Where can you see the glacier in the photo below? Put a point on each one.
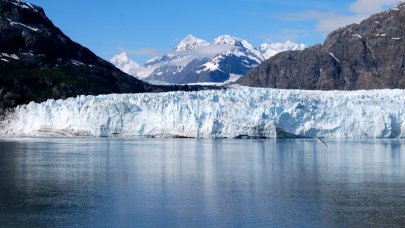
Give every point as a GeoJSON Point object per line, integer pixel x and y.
{"type": "Point", "coordinates": [236, 112]}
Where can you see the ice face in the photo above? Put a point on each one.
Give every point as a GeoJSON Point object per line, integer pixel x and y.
{"type": "Point", "coordinates": [230, 113]}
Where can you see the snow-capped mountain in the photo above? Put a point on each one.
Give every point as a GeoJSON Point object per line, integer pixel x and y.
{"type": "Point", "coordinates": [124, 63]}
{"type": "Point", "coordinates": [270, 50]}
{"type": "Point", "coordinates": [194, 60]}
{"type": "Point", "coordinates": [190, 43]}
{"type": "Point", "coordinates": [230, 113]}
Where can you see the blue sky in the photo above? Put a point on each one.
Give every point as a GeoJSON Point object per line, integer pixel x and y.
{"type": "Point", "coordinates": [147, 28]}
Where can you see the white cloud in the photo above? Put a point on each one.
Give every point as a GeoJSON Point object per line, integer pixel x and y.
{"type": "Point", "coordinates": [334, 21]}
{"type": "Point", "coordinates": [367, 7]}
{"type": "Point", "coordinates": [357, 11]}
{"type": "Point", "coordinates": [207, 51]}
{"type": "Point", "coordinates": [213, 50]}
{"type": "Point", "coordinates": [141, 51]}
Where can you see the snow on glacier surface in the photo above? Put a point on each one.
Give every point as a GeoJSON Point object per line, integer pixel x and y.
{"type": "Point", "coordinates": [227, 113]}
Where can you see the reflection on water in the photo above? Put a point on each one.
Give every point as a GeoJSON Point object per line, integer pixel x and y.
{"type": "Point", "coordinates": [184, 182]}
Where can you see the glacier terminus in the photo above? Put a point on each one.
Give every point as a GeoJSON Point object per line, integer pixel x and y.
{"type": "Point", "coordinates": [235, 112]}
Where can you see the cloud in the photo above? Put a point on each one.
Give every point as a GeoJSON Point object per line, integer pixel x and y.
{"type": "Point", "coordinates": [141, 51]}
{"type": "Point", "coordinates": [213, 50]}
{"type": "Point", "coordinates": [207, 51]}
{"type": "Point", "coordinates": [357, 11]}
{"type": "Point", "coordinates": [371, 6]}
{"type": "Point", "coordinates": [334, 21]}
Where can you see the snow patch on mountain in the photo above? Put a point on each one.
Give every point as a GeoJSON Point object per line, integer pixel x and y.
{"type": "Point", "coordinates": [212, 65]}
{"type": "Point", "coordinates": [24, 5]}
{"type": "Point", "coordinates": [13, 23]}
{"type": "Point", "coordinates": [230, 40]}
{"type": "Point", "coordinates": [239, 45]}
{"type": "Point", "coordinates": [270, 50]}
{"type": "Point", "coordinates": [230, 113]}
{"type": "Point", "coordinates": [11, 56]}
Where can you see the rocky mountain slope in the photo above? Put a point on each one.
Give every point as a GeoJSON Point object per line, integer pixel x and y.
{"type": "Point", "coordinates": [369, 55]}
{"type": "Point", "coordinates": [38, 61]}
{"type": "Point", "coordinates": [195, 60]}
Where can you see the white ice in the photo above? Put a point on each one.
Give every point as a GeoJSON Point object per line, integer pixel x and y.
{"type": "Point", "coordinates": [230, 113]}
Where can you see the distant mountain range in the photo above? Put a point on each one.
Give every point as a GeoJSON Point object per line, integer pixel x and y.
{"type": "Point", "coordinates": [369, 55]}
{"type": "Point", "coordinates": [194, 60]}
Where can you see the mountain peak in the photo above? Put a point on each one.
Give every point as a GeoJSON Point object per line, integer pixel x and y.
{"type": "Point", "coordinates": [190, 37]}
{"type": "Point", "coordinates": [120, 57]}
{"type": "Point", "coordinates": [22, 4]}
{"type": "Point", "coordinates": [234, 41]}
{"type": "Point", "coordinates": [269, 50]}
{"type": "Point", "coordinates": [190, 42]}
{"type": "Point", "coordinates": [195, 60]}
{"type": "Point", "coordinates": [226, 39]}
{"type": "Point", "coordinates": [123, 62]}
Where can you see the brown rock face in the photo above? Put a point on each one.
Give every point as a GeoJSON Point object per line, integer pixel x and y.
{"type": "Point", "coordinates": [369, 55]}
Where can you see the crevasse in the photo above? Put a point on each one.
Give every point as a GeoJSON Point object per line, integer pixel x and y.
{"type": "Point", "coordinates": [231, 113]}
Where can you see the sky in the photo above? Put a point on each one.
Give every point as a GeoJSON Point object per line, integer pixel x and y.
{"type": "Point", "coordinates": [149, 28]}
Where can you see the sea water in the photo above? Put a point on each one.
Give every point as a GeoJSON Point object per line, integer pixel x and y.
{"type": "Point", "coordinates": [90, 182]}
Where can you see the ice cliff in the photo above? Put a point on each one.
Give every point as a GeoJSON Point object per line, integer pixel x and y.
{"type": "Point", "coordinates": [231, 113]}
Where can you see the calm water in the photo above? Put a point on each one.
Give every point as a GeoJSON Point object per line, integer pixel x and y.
{"type": "Point", "coordinates": [201, 183]}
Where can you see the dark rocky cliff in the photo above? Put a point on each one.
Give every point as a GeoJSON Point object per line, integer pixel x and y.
{"type": "Point", "coordinates": [369, 55]}
{"type": "Point", "coordinates": [38, 61]}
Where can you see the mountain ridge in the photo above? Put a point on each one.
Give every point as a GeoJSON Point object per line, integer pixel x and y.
{"type": "Point", "coordinates": [195, 60]}
{"type": "Point", "coordinates": [38, 61]}
{"type": "Point", "coordinates": [368, 55]}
